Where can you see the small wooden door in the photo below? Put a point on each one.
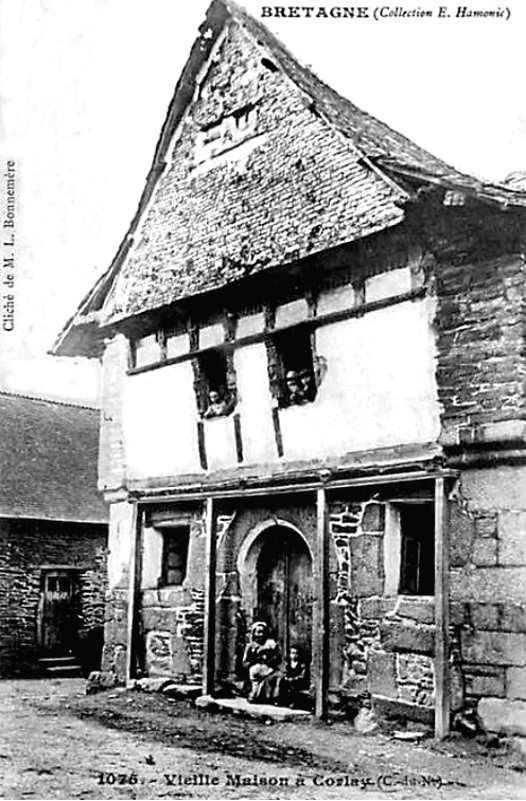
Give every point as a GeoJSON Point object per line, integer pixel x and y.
{"type": "Point", "coordinates": [284, 576]}
{"type": "Point", "coordinates": [58, 619]}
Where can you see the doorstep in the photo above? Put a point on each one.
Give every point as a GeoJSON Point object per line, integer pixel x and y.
{"type": "Point", "coordinates": [240, 706]}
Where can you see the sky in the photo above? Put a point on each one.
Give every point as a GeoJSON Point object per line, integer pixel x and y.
{"type": "Point", "coordinates": [84, 90]}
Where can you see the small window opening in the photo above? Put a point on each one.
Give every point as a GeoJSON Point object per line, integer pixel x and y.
{"type": "Point", "coordinates": [417, 563]}
{"type": "Point", "coordinates": [175, 556]}
{"type": "Point", "coordinates": [226, 133]}
{"type": "Point", "coordinates": [216, 397]}
{"type": "Point", "coordinates": [297, 381]}
{"type": "Point", "coordinates": [269, 64]}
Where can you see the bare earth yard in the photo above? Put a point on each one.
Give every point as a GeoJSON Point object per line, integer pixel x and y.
{"type": "Point", "coordinates": [57, 743]}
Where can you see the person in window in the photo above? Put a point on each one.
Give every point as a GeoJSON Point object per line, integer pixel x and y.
{"type": "Point", "coordinates": [306, 385]}
{"type": "Point", "coordinates": [300, 387]}
{"type": "Point", "coordinates": [294, 392]}
{"type": "Point", "coordinates": [262, 660]}
{"type": "Point", "coordinates": [295, 680]}
{"type": "Point", "coordinates": [217, 405]}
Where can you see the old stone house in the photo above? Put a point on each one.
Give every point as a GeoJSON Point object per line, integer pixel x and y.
{"type": "Point", "coordinates": [314, 405]}
{"type": "Point", "coordinates": [53, 535]}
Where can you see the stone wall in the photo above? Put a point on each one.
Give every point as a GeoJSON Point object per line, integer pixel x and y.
{"type": "Point", "coordinates": [240, 535]}
{"type": "Point", "coordinates": [488, 591]}
{"type": "Point", "coordinates": [120, 539]}
{"type": "Point", "coordinates": [26, 546]}
{"type": "Point", "coordinates": [381, 645]}
{"type": "Point", "coordinates": [481, 291]}
{"type": "Point", "coordinates": [172, 618]}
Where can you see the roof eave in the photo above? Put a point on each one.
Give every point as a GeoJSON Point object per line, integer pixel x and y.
{"type": "Point", "coordinates": [81, 336]}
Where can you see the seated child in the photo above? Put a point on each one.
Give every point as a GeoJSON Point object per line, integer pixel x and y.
{"type": "Point", "coordinates": [295, 680]}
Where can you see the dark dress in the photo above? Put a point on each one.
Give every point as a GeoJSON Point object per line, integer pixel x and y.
{"type": "Point", "coordinates": [295, 680]}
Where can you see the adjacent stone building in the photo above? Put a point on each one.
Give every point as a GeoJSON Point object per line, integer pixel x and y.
{"type": "Point", "coordinates": [53, 535]}
{"type": "Point", "coordinates": [314, 411]}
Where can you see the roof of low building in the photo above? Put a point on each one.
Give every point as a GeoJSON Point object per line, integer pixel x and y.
{"type": "Point", "coordinates": [48, 460]}
{"type": "Point", "coordinates": [151, 269]}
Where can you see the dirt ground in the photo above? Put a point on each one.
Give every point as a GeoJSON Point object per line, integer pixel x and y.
{"type": "Point", "coordinates": [57, 743]}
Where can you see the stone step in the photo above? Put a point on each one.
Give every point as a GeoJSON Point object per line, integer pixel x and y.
{"type": "Point", "coordinates": [65, 666]}
{"type": "Point", "coordinates": [57, 660]}
{"type": "Point", "coordinates": [243, 708]}
{"type": "Point", "coordinates": [71, 672]}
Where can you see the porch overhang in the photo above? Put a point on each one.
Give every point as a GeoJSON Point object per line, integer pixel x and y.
{"type": "Point", "coordinates": [383, 469]}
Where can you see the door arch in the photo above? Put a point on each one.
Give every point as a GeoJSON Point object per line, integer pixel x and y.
{"type": "Point", "coordinates": [277, 584]}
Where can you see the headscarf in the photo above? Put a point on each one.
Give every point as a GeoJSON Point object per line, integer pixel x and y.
{"type": "Point", "coordinates": [259, 624]}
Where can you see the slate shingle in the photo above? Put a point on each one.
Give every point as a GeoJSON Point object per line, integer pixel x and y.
{"type": "Point", "coordinates": [48, 460]}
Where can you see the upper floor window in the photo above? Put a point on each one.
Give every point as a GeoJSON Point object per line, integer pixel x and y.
{"type": "Point", "coordinates": [293, 379]}
{"type": "Point", "coordinates": [417, 555]}
{"type": "Point", "coordinates": [214, 385]}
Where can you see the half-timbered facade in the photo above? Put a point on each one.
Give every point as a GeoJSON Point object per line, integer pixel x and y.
{"type": "Point", "coordinates": [314, 410]}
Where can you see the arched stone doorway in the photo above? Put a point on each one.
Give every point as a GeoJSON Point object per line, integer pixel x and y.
{"type": "Point", "coordinates": [276, 583]}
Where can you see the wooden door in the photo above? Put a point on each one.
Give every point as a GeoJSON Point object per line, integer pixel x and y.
{"type": "Point", "coordinates": [58, 619]}
{"type": "Point", "coordinates": [284, 576]}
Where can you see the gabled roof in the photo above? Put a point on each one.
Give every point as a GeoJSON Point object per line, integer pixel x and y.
{"type": "Point", "coordinates": [48, 460]}
{"type": "Point", "coordinates": [404, 167]}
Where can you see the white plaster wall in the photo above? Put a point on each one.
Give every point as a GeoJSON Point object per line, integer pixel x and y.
{"type": "Point", "coordinates": [337, 299]}
{"type": "Point", "coordinates": [250, 324]}
{"type": "Point", "coordinates": [159, 421]}
{"type": "Point", "coordinates": [220, 442]}
{"type": "Point", "coordinates": [387, 285]}
{"type": "Point", "coordinates": [255, 404]}
{"type": "Point", "coordinates": [211, 336]}
{"type": "Point", "coordinates": [379, 389]}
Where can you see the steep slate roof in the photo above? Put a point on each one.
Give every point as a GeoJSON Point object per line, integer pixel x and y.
{"type": "Point", "coordinates": [48, 460]}
{"type": "Point", "coordinates": [404, 167]}
{"type": "Point", "coordinates": [388, 149]}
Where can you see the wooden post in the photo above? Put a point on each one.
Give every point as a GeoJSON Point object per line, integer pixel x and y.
{"type": "Point", "coordinates": [210, 601]}
{"type": "Point", "coordinates": [321, 617]}
{"type": "Point", "coordinates": [442, 694]}
{"type": "Point", "coordinates": [133, 592]}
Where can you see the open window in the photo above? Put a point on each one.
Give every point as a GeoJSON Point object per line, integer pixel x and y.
{"type": "Point", "coordinates": [417, 549]}
{"type": "Point", "coordinates": [293, 377]}
{"type": "Point", "coordinates": [215, 384]}
{"type": "Point", "coordinates": [174, 556]}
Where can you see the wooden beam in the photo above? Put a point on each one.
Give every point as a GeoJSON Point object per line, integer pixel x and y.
{"type": "Point", "coordinates": [133, 592]}
{"type": "Point", "coordinates": [243, 491]}
{"type": "Point", "coordinates": [201, 444]}
{"type": "Point", "coordinates": [210, 602]}
{"type": "Point", "coordinates": [238, 436]}
{"type": "Point", "coordinates": [442, 690]}
{"type": "Point", "coordinates": [321, 610]}
{"type": "Point", "coordinates": [312, 323]}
